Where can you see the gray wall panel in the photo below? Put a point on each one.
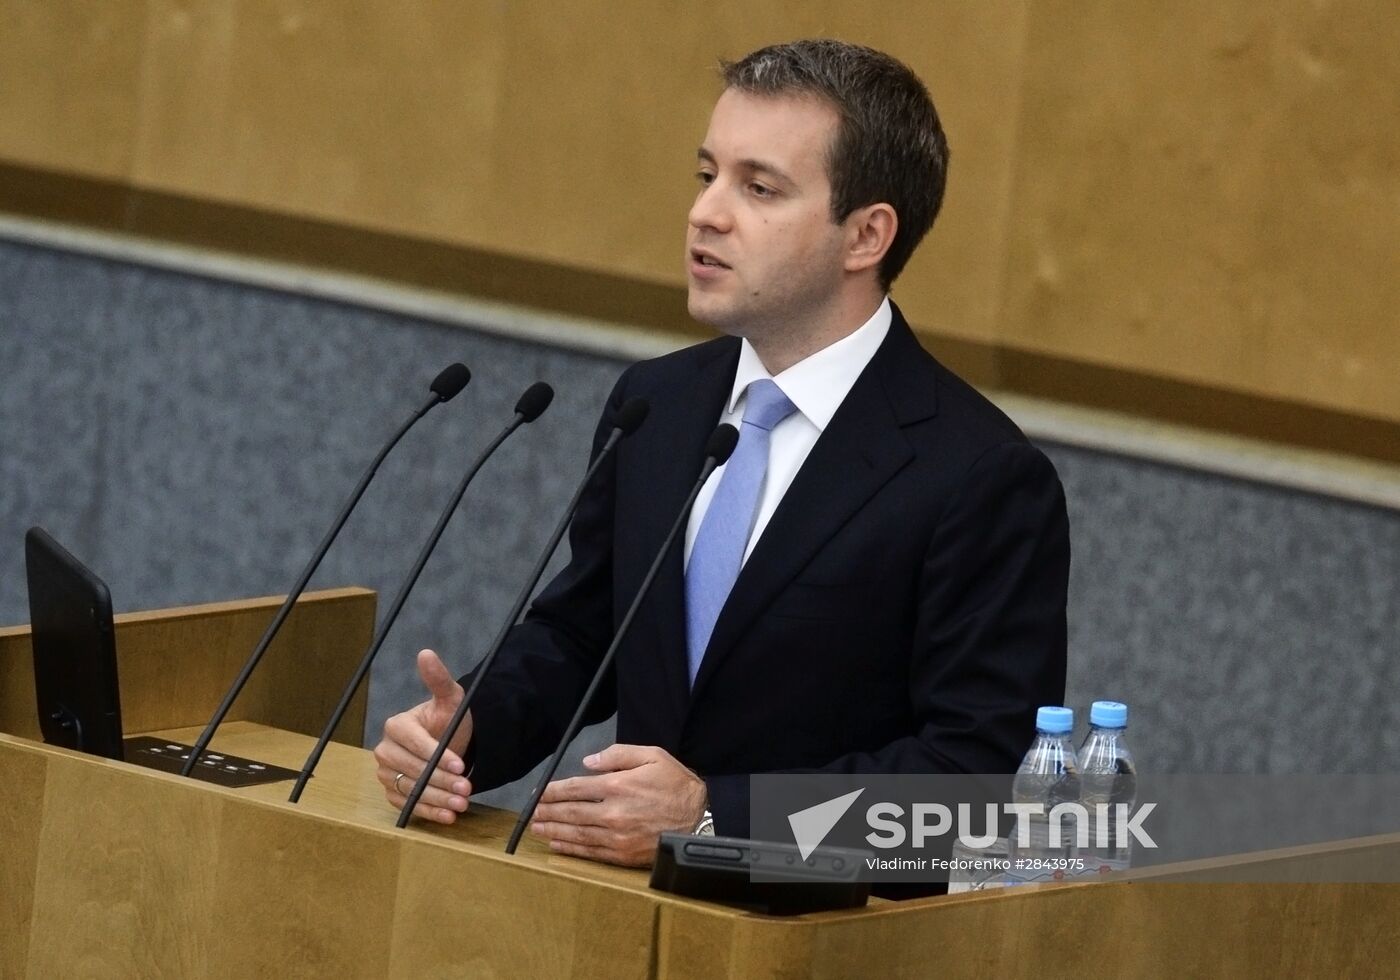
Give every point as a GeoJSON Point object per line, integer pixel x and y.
{"type": "Point", "coordinates": [190, 439]}
{"type": "Point", "coordinates": [1251, 628]}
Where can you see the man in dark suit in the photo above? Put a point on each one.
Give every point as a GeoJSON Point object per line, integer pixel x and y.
{"type": "Point", "coordinates": [874, 582]}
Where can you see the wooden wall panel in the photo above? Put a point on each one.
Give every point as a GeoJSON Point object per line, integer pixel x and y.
{"type": "Point", "coordinates": [598, 140]}
{"type": "Point", "coordinates": [562, 133]}
{"type": "Point", "coordinates": [384, 119]}
{"type": "Point", "coordinates": [69, 80]}
{"type": "Point", "coordinates": [1205, 192]}
{"type": "Point", "coordinates": [1195, 192]}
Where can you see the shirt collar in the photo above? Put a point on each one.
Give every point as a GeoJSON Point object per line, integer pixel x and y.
{"type": "Point", "coordinates": [818, 383]}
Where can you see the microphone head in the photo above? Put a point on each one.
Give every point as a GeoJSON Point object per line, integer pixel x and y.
{"type": "Point", "coordinates": [631, 415]}
{"type": "Point", "coordinates": [722, 443]}
{"type": "Point", "coordinates": [535, 400]}
{"type": "Point", "coordinates": [450, 381]}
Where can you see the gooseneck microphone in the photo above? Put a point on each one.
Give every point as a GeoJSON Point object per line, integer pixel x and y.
{"type": "Point", "coordinates": [628, 418]}
{"type": "Point", "coordinates": [530, 407]}
{"type": "Point", "coordinates": [717, 450]}
{"type": "Point", "coordinates": [451, 380]}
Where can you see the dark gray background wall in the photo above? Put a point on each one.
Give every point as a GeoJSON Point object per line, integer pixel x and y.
{"type": "Point", "coordinates": [190, 439]}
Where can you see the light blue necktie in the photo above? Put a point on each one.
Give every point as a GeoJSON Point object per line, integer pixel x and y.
{"type": "Point", "coordinates": [719, 546]}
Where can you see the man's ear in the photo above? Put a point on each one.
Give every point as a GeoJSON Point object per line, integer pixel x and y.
{"type": "Point", "coordinates": [871, 231]}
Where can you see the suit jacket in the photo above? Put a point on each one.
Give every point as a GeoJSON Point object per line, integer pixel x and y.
{"type": "Point", "coordinates": [903, 611]}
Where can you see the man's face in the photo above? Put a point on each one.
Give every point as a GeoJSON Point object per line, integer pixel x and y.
{"type": "Point", "coordinates": [762, 253]}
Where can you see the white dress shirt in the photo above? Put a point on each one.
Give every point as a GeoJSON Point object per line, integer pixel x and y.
{"type": "Point", "coordinates": [817, 385]}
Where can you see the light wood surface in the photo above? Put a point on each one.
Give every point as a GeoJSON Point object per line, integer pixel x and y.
{"type": "Point", "coordinates": [108, 869]}
{"type": "Point", "coordinates": [1196, 193]}
{"type": "Point", "coordinates": [174, 665]}
{"type": "Point", "coordinates": [563, 133]}
{"type": "Point", "coordinates": [1209, 198]}
{"type": "Point", "coordinates": [163, 876]}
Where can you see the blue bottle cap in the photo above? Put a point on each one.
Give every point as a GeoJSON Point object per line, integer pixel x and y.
{"type": "Point", "coordinates": [1109, 714]}
{"type": "Point", "coordinates": [1054, 720]}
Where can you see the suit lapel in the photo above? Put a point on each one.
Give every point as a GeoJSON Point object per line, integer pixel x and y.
{"type": "Point", "coordinates": [693, 416]}
{"type": "Point", "coordinates": [857, 453]}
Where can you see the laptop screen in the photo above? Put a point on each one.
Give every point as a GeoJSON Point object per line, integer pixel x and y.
{"type": "Point", "coordinates": [75, 660]}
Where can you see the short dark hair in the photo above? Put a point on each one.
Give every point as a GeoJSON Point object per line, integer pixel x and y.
{"type": "Point", "coordinates": [889, 146]}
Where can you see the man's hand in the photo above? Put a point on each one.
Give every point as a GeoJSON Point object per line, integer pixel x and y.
{"type": "Point", "coordinates": [411, 737]}
{"type": "Point", "coordinates": [617, 815]}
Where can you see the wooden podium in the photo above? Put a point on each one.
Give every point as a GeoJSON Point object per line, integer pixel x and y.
{"type": "Point", "coordinates": [111, 870]}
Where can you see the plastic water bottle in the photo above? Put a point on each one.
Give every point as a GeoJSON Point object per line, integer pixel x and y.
{"type": "Point", "coordinates": [1049, 775]}
{"type": "Point", "coordinates": [1109, 778]}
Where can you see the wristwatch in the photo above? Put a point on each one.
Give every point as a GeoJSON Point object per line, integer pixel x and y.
{"type": "Point", "coordinates": [706, 826]}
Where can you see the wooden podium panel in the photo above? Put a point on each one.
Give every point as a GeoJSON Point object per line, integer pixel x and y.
{"type": "Point", "coordinates": [108, 869]}
{"type": "Point", "coordinates": [116, 871]}
{"type": "Point", "coordinates": [175, 664]}
{"type": "Point", "coordinates": [112, 870]}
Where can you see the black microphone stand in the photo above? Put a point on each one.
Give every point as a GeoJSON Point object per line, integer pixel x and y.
{"type": "Point", "coordinates": [629, 417]}
{"type": "Point", "coordinates": [535, 400]}
{"type": "Point", "coordinates": [717, 451]}
{"type": "Point", "coordinates": [445, 386]}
